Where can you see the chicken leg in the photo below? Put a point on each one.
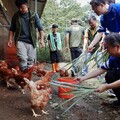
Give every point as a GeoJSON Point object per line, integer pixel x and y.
{"type": "Point", "coordinates": [34, 114]}
{"type": "Point", "coordinates": [43, 112]}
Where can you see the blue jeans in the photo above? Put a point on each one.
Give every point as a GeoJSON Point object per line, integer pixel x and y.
{"type": "Point", "coordinates": [98, 59]}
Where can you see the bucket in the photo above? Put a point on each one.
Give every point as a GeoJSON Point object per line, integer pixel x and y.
{"type": "Point", "coordinates": [62, 90]}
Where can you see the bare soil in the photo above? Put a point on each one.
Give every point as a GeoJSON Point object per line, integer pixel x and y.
{"type": "Point", "coordinates": [16, 106]}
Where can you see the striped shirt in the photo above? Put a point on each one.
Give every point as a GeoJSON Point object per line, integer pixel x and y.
{"type": "Point", "coordinates": [113, 64]}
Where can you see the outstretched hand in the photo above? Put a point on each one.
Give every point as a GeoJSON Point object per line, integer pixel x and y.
{"type": "Point", "coordinates": [78, 80]}
{"type": "Point", "coordinates": [102, 88]}
{"type": "Point", "coordinates": [90, 49]}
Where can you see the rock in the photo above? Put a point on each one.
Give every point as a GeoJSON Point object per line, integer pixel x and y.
{"type": "Point", "coordinates": [100, 112]}
{"type": "Point", "coordinates": [54, 105]}
{"type": "Point", "coordinates": [115, 112]}
{"type": "Point", "coordinates": [57, 117]}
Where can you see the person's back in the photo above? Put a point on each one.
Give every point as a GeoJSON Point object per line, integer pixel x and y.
{"type": "Point", "coordinates": [75, 35]}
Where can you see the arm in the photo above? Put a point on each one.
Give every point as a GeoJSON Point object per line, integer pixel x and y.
{"type": "Point", "coordinates": [42, 38]}
{"type": "Point", "coordinates": [40, 29]}
{"type": "Point", "coordinates": [85, 43]}
{"type": "Point", "coordinates": [11, 31]}
{"type": "Point", "coordinates": [10, 38]}
{"type": "Point", "coordinates": [105, 87]}
{"type": "Point", "coordinates": [50, 45]}
{"type": "Point", "coordinates": [67, 41]}
{"type": "Point", "coordinates": [102, 43]}
{"type": "Point", "coordinates": [90, 75]}
{"type": "Point", "coordinates": [95, 41]}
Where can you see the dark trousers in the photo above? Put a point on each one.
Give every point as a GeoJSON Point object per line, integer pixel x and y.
{"type": "Point", "coordinates": [112, 77]}
{"type": "Point", "coordinates": [75, 52]}
{"type": "Point", "coordinates": [55, 56]}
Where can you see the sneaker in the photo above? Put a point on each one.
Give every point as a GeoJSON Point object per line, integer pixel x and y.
{"type": "Point", "coordinates": [99, 77]}
{"type": "Point", "coordinates": [116, 103]}
{"type": "Point", "coordinates": [111, 93]}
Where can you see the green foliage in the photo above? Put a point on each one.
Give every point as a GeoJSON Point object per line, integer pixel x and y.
{"type": "Point", "coordinates": [59, 13]}
{"type": "Point", "coordinates": [43, 54]}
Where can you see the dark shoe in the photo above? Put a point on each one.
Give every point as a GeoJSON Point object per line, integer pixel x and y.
{"type": "Point", "coordinates": [73, 74]}
{"type": "Point", "coordinates": [116, 103]}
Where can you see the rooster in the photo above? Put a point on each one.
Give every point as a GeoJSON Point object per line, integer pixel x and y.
{"type": "Point", "coordinates": [39, 98]}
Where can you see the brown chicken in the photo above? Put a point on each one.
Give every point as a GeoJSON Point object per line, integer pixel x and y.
{"type": "Point", "coordinates": [40, 72]}
{"type": "Point", "coordinates": [63, 73]}
{"type": "Point", "coordinates": [39, 98]}
{"type": "Point", "coordinates": [6, 74]}
{"type": "Point", "coordinates": [3, 64]}
{"type": "Point", "coordinates": [45, 80]}
{"type": "Point", "coordinates": [19, 77]}
{"type": "Point", "coordinates": [40, 65]}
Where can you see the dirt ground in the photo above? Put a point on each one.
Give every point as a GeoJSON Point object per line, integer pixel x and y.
{"type": "Point", "coordinates": [16, 106]}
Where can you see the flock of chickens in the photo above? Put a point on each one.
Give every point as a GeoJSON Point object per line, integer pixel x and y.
{"type": "Point", "coordinates": [40, 90]}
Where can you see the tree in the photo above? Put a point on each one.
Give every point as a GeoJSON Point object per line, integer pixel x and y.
{"type": "Point", "coordinates": [60, 12]}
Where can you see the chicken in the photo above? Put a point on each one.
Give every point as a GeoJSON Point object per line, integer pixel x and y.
{"type": "Point", "coordinates": [6, 74]}
{"type": "Point", "coordinates": [40, 65]}
{"type": "Point", "coordinates": [19, 77]}
{"type": "Point", "coordinates": [41, 73]}
{"type": "Point", "coordinates": [39, 98]}
{"type": "Point", "coordinates": [3, 64]}
{"type": "Point", "coordinates": [45, 80]}
{"type": "Point", "coordinates": [63, 73]}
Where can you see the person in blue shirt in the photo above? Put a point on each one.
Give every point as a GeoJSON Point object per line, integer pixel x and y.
{"type": "Point", "coordinates": [23, 30]}
{"type": "Point", "coordinates": [109, 20]}
{"type": "Point", "coordinates": [112, 66]}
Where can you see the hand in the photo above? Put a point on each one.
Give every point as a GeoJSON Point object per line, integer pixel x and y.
{"type": "Point", "coordinates": [101, 43]}
{"type": "Point", "coordinates": [60, 50]}
{"type": "Point", "coordinates": [51, 50]}
{"type": "Point", "coordinates": [90, 49]}
{"type": "Point", "coordinates": [83, 51]}
{"type": "Point", "coordinates": [78, 80]}
{"type": "Point", "coordinates": [66, 49]}
{"type": "Point", "coordinates": [102, 88]}
{"type": "Point", "coordinates": [42, 44]}
{"type": "Point", "coordinates": [10, 42]}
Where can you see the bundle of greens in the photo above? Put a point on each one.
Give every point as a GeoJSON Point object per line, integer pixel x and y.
{"type": "Point", "coordinates": [79, 91]}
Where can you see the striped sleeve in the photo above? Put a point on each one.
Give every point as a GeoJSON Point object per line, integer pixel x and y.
{"type": "Point", "coordinates": [106, 65]}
